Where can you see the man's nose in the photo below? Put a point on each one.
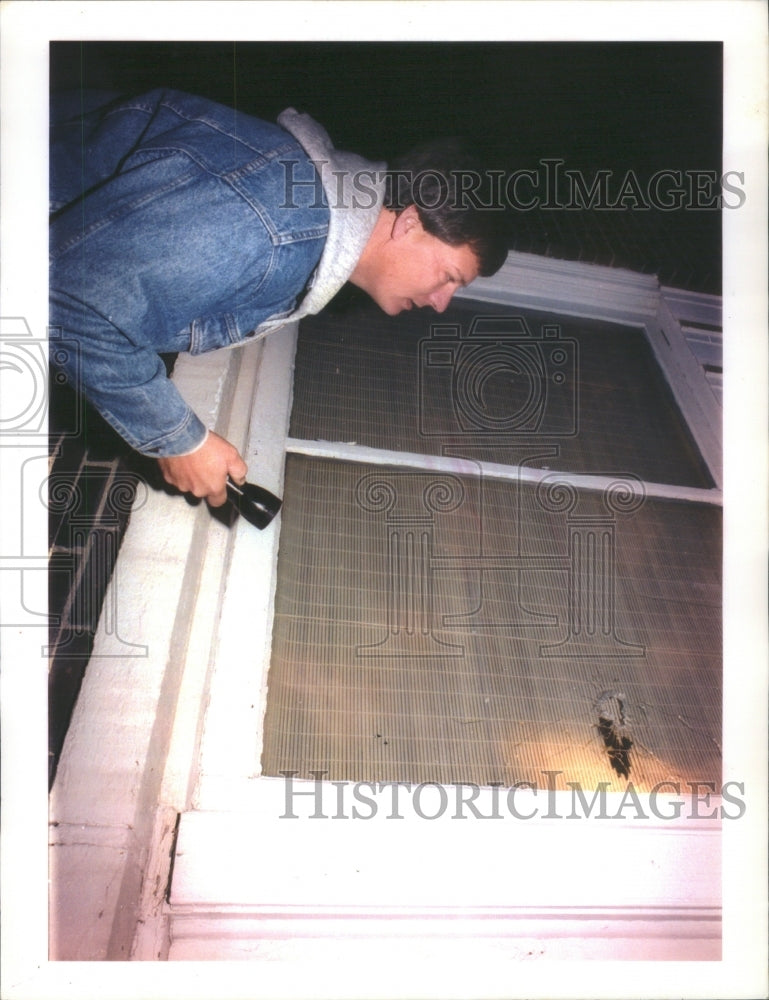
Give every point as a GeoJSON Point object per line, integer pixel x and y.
{"type": "Point", "coordinates": [440, 299]}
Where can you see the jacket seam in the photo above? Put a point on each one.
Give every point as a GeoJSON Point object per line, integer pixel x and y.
{"type": "Point", "coordinates": [151, 109]}
{"type": "Point", "coordinates": [170, 152]}
{"type": "Point", "coordinates": [151, 447]}
{"type": "Point", "coordinates": [110, 217]}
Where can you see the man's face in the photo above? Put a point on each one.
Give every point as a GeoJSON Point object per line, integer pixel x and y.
{"type": "Point", "coordinates": [417, 269]}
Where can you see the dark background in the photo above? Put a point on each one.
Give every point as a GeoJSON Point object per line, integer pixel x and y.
{"type": "Point", "coordinates": [616, 106]}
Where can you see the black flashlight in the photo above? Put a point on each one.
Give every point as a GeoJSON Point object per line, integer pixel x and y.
{"type": "Point", "coordinates": [255, 503]}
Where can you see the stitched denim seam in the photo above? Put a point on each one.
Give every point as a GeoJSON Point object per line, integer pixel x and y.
{"type": "Point", "coordinates": [148, 446]}
{"type": "Point", "coordinates": [110, 217]}
{"type": "Point", "coordinates": [151, 109]}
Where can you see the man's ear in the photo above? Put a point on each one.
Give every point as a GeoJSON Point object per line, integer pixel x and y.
{"type": "Point", "coordinates": [405, 222]}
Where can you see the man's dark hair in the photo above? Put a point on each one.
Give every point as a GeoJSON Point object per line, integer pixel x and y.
{"type": "Point", "coordinates": [454, 197]}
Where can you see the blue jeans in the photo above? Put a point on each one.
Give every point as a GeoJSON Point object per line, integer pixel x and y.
{"type": "Point", "coordinates": [171, 230]}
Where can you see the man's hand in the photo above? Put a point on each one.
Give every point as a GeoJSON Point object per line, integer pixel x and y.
{"type": "Point", "coordinates": [204, 472]}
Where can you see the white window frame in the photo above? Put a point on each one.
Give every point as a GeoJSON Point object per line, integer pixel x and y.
{"type": "Point", "coordinates": [178, 773]}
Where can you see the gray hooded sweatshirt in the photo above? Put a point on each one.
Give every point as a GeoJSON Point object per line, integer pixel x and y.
{"type": "Point", "coordinates": [354, 189]}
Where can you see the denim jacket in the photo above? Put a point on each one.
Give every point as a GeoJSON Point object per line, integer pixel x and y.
{"type": "Point", "coordinates": [181, 225]}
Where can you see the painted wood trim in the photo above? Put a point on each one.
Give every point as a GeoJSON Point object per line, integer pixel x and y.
{"type": "Point", "coordinates": [690, 387]}
{"type": "Point", "coordinates": [694, 307]}
{"type": "Point", "coordinates": [401, 865]}
{"type": "Point", "coordinates": [571, 287]}
{"type": "Point", "coordinates": [329, 941]}
{"type": "Point", "coordinates": [384, 879]}
{"type": "Point", "coordinates": [232, 738]}
{"type": "Point", "coordinates": [144, 713]}
{"type": "Point", "coordinates": [343, 452]}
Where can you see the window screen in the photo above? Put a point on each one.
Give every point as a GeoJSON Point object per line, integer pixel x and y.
{"type": "Point", "coordinates": [496, 385]}
{"type": "Point", "coordinates": [432, 626]}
